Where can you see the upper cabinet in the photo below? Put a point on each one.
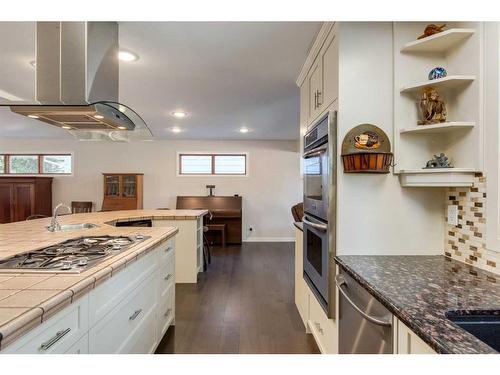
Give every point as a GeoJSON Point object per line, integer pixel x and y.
{"type": "Point", "coordinates": [318, 80]}
{"type": "Point", "coordinates": [459, 50]}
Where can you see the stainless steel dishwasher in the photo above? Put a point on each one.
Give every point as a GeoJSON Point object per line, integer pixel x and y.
{"type": "Point", "coordinates": [365, 325]}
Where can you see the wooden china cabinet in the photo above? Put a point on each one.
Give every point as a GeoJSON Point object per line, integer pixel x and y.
{"type": "Point", "coordinates": [21, 197]}
{"type": "Point", "coordinates": [122, 191]}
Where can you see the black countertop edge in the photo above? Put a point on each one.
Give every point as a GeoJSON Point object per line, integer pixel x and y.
{"type": "Point", "coordinates": [400, 314]}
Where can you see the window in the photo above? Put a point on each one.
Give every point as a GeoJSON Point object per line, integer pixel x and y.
{"type": "Point", "coordinates": [213, 164]}
{"type": "Point", "coordinates": [36, 164]}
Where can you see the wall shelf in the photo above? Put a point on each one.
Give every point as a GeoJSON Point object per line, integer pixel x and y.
{"type": "Point", "coordinates": [444, 127]}
{"type": "Point", "coordinates": [441, 83]}
{"type": "Point", "coordinates": [438, 177]}
{"type": "Point", "coordinates": [440, 42]}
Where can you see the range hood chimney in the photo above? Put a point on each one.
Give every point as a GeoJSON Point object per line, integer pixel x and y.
{"type": "Point", "coordinates": [77, 82]}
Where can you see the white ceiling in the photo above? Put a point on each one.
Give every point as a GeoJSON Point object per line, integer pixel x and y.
{"type": "Point", "coordinates": [225, 75]}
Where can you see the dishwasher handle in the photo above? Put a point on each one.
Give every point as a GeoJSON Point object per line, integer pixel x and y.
{"type": "Point", "coordinates": [339, 281]}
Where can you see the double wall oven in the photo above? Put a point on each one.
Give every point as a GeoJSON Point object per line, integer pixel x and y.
{"type": "Point", "coordinates": [320, 209]}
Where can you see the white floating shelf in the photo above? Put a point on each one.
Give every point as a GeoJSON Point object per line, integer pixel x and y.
{"type": "Point", "coordinates": [442, 83]}
{"type": "Point", "coordinates": [440, 42]}
{"type": "Point", "coordinates": [438, 177]}
{"type": "Point", "coordinates": [444, 127]}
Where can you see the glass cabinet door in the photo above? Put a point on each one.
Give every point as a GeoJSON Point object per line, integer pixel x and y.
{"type": "Point", "coordinates": [129, 186]}
{"type": "Point", "coordinates": [112, 186]}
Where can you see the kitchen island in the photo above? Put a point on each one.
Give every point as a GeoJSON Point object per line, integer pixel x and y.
{"type": "Point", "coordinates": [53, 311]}
{"type": "Point", "coordinates": [422, 290]}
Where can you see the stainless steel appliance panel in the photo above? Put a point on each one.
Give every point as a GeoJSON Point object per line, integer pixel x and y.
{"type": "Point", "coordinates": [365, 325]}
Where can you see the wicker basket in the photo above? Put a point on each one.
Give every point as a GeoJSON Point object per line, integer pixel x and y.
{"type": "Point", "coordinates": [367, 162]}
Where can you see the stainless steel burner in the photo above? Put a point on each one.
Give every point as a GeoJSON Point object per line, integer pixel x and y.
{"type": "Point", "coordinates": [74, 255]}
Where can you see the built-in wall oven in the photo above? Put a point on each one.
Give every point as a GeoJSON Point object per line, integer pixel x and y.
{"type": "Point", "coordinates": [319, 209]}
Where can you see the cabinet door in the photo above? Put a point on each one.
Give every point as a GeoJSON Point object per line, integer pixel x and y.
{"type": "Point", "coordinates": [112, 186]}
{"type": "Point", "coordinates": [6, 203]}
{"type": "Point", "coordinates": [24, 198]}
{"type": "Point", "coordinates": [315, 88]}
{"type": "Point", "coordinates": [410, 343]}
{"type": "Point", "coordinates": [301, 290]}
{"type": "Point", "coordinates": [330, 71]}
{"type": "Point", "coordinates": [129, 186]}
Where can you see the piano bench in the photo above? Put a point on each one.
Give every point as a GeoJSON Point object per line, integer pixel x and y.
{"type": "Point", "coordinates": [219, 228]}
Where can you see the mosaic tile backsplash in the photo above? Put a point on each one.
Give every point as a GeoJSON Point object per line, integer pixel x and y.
{"type": "Point", "coordinates": [466, 241]}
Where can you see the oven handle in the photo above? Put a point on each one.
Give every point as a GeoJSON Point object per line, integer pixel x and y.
{"type": "Point", "coordinates": [339, 281]}
{"type": "Point", "coordinates": [315, 151]}
{"type": "Point", "coordinates": [321, 227]}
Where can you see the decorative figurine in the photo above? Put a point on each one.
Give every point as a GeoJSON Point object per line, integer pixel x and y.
{"type": "Point", "coordinates": [439, 161]}
{"type": "Point", "coordinates": [432, 107]}
{"type": "Point", "coordinates": [431, 29]}
{"type": "Point", "coordinates": [438, 72]}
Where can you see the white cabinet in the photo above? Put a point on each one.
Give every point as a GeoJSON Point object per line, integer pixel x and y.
{"type": "Point", "coordinates": [129, 313]}
{"type": "Point", "coordinates": [301, 289]}
{"type": "Point", "coordinates": [320, 88]}
{"type": "Point", "coordinates": [56, 335]}
{"type": "Point", "coordinates": [409, 343]}
{"type": "Point", "coordinates": [321, 327]}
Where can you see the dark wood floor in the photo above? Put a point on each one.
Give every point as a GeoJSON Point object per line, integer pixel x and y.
{"type": "Point", "coordinates": [244, 303]}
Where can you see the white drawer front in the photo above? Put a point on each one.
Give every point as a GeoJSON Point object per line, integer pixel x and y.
{"type": "Point", "coordinates": [80, 347]}
{"type": "Point", "coordinates": [107, 295]}
{"type": "Point", "coordinates": [113, 334]}
{"type": "Point", "coordinates": [166, 311]}
{"type": "Point", "coordinates": [56, 335]}
{"type": "Point", "coordinates": [167, 278]}
{"type": "Point", "coordinates": [321, 327]}
{"type": "Point", "coordinates": [167, 251]}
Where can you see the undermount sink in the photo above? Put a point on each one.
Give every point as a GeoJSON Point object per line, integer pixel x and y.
{"type": "Point", "coordinates": [486, 327]}
{"type": "Point", "coordinates": [67, 227]}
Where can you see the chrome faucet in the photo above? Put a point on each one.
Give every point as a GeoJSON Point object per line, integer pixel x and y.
{"type": "Point", "coordinates": [54, 224]}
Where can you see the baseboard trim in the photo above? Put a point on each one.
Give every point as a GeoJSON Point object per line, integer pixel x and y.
{"type": "Point", "coordinates": [269, 239]}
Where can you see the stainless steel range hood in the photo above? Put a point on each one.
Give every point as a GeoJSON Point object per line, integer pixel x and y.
{"type": "Point", "coordinates": [77, 82]}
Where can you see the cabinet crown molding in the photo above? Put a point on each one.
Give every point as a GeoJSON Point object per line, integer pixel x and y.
{"type": "Point", "coordinates": [313, 52]}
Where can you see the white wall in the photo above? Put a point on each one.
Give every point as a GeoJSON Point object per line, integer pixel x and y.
{"type": "Point", "coordinates": [375, 214]}
{"type": "Point", "coordinates": [272, 187]}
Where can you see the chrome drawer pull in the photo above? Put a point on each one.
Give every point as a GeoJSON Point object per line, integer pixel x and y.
{"type": "Point", "coordinates": [135, 314]}
{"type": "Point", "coordinates": [168, 249]}
{"type": "Point", "coordinates": [167, 313]}
{"type": "Point", "coordinates": [318, 327]}
{"type": "Point", "coordinates": [59, 335]}
{"type": "Point", "coordinates": [167, 277]}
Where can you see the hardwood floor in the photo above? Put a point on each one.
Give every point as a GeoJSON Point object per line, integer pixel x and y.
{"type": "Point", "coordinates": [244, 303]}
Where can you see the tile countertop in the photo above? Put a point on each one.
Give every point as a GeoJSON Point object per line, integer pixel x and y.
{"type": "Point", "coordinates": [27, 299]}
{"type": "Point", "coordinates": [419, 290]}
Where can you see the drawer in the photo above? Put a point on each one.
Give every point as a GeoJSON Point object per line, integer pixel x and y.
{"type": "Point", "coordinates": [56, 335]}
{"type": "Point", "coordinates": [80, 347]}
{"type": "Point", "coordinates": [166, 311]}
{"type": "Point", "coordinates": [322, 328]}
{"type": "Point", "coordinates": [126, 322]}
{"type": "Point", "coordinates": [107, 295]}
{"type": "Point", "coordinates": [167, 251]}
{"type": "Point", "coordinates": [166, 275]}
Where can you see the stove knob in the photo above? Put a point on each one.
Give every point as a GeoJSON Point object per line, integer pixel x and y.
{"type": "Point", "coordinates": [66, 265]}
{"type": "Point", "coordinates": [83, 262]}
{"type": "Point", "coordinates": [116, 246]}
{"type": "Point", "coordinates": [139, 236]}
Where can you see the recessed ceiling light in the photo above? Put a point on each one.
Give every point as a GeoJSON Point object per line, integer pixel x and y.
{"type": "Point", "coordinates": [176, 129]}
{"type": "Point", "coordinates": [179, 114]}
{"type": "Point", "coordinates": [243, 130]}
{"type": "Point", "coordinates": [66, 127]}
{"type": "Point", "coordinates": [127, 56]}
{"type": "Point", "coordinates": [122, 127]}
{"type": "Point", "coordinates": [98, 116]}
{"type": "Point", "coordinates": [33, 116]}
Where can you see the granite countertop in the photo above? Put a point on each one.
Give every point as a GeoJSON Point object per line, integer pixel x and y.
{"type": "Point", "coordinates": [29, 298]}
{"type": "Point", "coordinates": [419, 290]}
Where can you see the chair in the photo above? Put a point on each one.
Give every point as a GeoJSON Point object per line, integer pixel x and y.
{"type": "Point", "coordinates": [33, 217]}
{"type": "Point", "coordinates": [81, 207]}
{"type": "Point", "coordinates": [298, 212]}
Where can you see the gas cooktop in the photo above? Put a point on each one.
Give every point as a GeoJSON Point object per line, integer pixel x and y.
{"type": "Point", "coordinates": [71, 256]}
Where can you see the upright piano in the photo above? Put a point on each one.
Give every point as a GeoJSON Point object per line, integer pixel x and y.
{"type": "Point", "coordinates": [224, 210]}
